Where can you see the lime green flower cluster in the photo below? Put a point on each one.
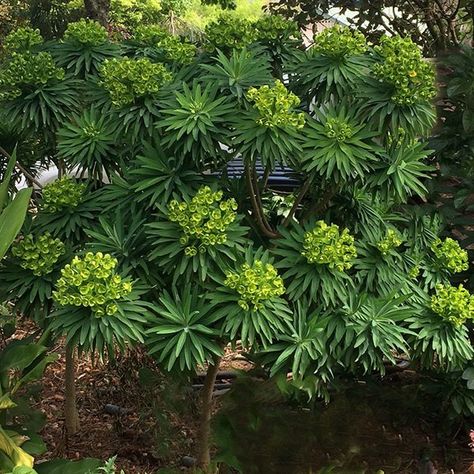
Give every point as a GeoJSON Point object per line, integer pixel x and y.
{"type": "Point", "coordinates": [86, 32]}
{"type": "Point", "coordinates": [327, 245]}
{"type": "Point", "coordinates": [274, 105]}
{"type": "Point", "coordinates": [26, 71]}
{"type": "Point", "coordinates": [149, 35]}
{"type": "Point", "coordinates": [453, 304]}
{"type": "Point", "coordinates": [39, 255]}
{"type": "Point", "coordinates": [230, 32]}
{"type": "Point", "coordinates": [414, 272]}
{"type": "Point", "coordinates": [174, 49]}
{"type": "Point", "coordinates": [339, 41]}
{"type": "Point", "coordinates": [129, 79]}
{"type": "Point", "coordinates": [91, 282]}
{"type": "Point", "coordinates": [272, 27]}
{"type": "Point", "coordinates": [204, 220]}
{"type": "Point", "coordinates": [255, 284]}
{"type": "Point", "coordinates": [403, 66]}
{"type": "Point", "coordinates": [338, 129]}
{"type": "Point", "coordinates": [62, 193]}
{"type": "Point", "coordinates": [177, 51]}
{"type": "Point", "coordinates": [391, 241]}
{"type": "Point", "coordinates": [450, 255]}
{"type": "Point", "coordinates": [22, 39]}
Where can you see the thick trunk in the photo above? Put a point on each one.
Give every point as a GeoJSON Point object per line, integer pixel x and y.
{"type": "Point", "coordinates": [70, 408]}
{"type": "Point", "coordinates": [204, 432]}
{"type": "Point", "coordinates": [98, 10]}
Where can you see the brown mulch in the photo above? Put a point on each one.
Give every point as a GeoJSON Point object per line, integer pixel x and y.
{"type": "Point", "coordinates": [132, 436]}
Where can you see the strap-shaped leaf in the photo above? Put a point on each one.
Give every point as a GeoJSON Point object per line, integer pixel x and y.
{"type": "Point", "coordinates": [12, 218]}
{"type": "Point", "coordinates": [6, 180]}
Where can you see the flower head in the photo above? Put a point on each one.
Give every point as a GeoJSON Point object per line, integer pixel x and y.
{"type": "Point", "coordinates": [204, 220]}
{"type": "Point", "coordinates": [39, 255]}
{"type": "Point", "coordinates": [91, 282]}
{"type": "Point", "coordinates": [86, 32]}
{"type": "Point", "coordinates": [255, 284]}
{"type": "Point", "coordinates": [127, 80]}
{"type": "Point", "coordinates": [61, 194]}
{"type": "Point", "coordinates": [450, 255]}
{"type": "Point", "coordinates": [275, 106]}
{"type": "Point", "coordinates": [327, 245]}
{"type": "Point", "coordinates": [456, 305]}
{"type": "Point", "coordinates": [402, 65]}
{"type": "Point", "coordinates": [391, 241]}
{"type": "Point", "coordinates": [339, 41]}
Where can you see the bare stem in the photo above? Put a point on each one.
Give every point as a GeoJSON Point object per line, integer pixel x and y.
{"type": "Point", "coordinates": [299, 198]}
{"type": "Point", "coordinates": [257, 210]}
{"type": "Point", "coordinates": [70, 407]}
{"type": "Point", "coordinates": [204, 433]}
{"type": "Point", "coordinates": [22, 170]}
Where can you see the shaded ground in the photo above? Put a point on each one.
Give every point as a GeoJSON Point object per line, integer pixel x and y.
{"type": "Point", "coordinates": [387, 426]}
{"type": "Point", "coordinates": [156, 425]}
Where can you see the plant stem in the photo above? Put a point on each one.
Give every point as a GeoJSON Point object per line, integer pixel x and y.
{"type": "Point", "coordinates": [299, 198]}
{"type": "Point", "coordinates": [266, 175]}
{"type": "Point", "coordinates": [257, 211]}
{"type": "Point", "coordinates": [27, 174]}
{"type": "Point", "coordinates": [204, 431]}
{"type": "Point", "coordinates": [70, 408]}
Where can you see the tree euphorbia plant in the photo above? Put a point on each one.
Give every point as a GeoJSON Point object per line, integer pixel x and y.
{"type": "Point", "coordinates": [348, 278]}
{"type": "Point", "coordinates": [99, 312]}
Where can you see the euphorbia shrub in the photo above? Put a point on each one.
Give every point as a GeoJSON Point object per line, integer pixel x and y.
{"type": "Point", "coordinates": [341, 283]}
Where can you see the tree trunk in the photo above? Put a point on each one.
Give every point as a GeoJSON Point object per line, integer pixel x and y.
{"type": "Point", "coordinates": [70, 408]}
{"type": "Point", "coordinates": [98, 10]}
{"type": "Point", "coordinates": [204, 431]}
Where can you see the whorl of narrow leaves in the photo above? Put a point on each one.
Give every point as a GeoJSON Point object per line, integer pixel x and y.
{"type": "Point", "coordinates": [275, 106]}
{"type": "Point", "coordinates": [339, 144]}
{"type": "Point", "coordinates": [39, 255]}
{"type": "Point", "coordinates": [255, 283]}
{"type": "Point", "coordinates": [450, 255]}
{"type": "Point", "coordinates": [456, 305]}
{"type": "Point", "coordinates": [339, 41]}
{"type": "Point", "coordinates": [327, 245]}
{"type": "Point", "coordinates": [403, 66]}
{"type": "Point", "coordinates": [62, 193]}
{"type": "Point", "coordinates": [91, 282]}
{"type": "Point", "coordinates": [181, 330]}
{"type": "Point", "coordinates": [27, 71]}
{"type": "Point", "coordinates": [204, 220]}
{"type": "Point", "coordinates": [391, 241]}
{"type": "Point", "coordinates": [127, 80]}
{"type": "Point", "coordinates": [86, 32]}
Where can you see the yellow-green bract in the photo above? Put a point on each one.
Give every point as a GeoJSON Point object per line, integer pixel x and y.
{"type": "Point", "coordinates": [391, 241]}
{"type": "Point", "coordinates": [326, 244]}
{"type": "Point", "coordinates": [450, 255]}
{"type": "Point", "coordinates": [403, 66]}
{"type": "Point", "coordinates": [255, 283]}
{"type": "Point", "coordinates": [62, 193]}
{"type": "Point", "coordinates": [204, 220]}
{"type": "Point", "coordinates": [39, 255]}
{"type": "Point", "coordinates": [453, 304]}
{"type": "Point", "coordinates": [91, 282]}
{"type": "Point", "coordinates": [339, 41]}
{"type": "Point", "coordinates": [275, 106]}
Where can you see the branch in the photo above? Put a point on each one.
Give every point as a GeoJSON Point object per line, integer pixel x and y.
{"type": "Point", "coordinates": [257, 211]}
{"type": "Point", "coordinates": [22, 170]}
{"type": "Point", "coordinates": [299, 198]}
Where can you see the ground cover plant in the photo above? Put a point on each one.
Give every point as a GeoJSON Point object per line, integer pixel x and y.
{"type": "Point", "coordinates": [169, 236]}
